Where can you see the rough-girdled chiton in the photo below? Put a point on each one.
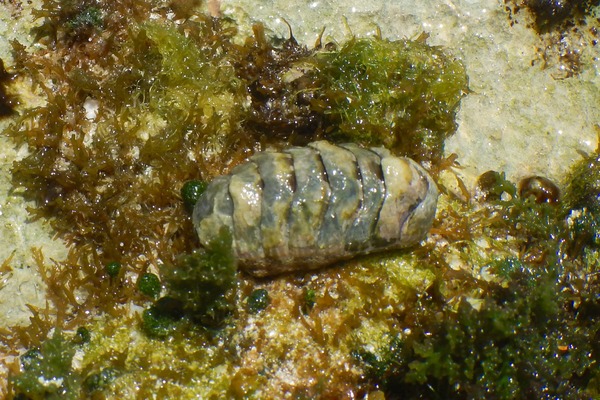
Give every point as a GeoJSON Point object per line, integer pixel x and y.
{"type": "Point", "coordinates": [307, 207]}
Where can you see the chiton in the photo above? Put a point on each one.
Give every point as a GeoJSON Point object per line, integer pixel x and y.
{"type": "Point", "coordinates": [307, 207]}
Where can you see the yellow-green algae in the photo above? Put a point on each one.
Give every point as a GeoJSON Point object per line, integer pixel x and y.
{"type": "Point", "coordinates": [185, 366]}
{"type": "Point", "coordinates": [401, 96]}
{"type": "Point", "coordinates": [280, 350]}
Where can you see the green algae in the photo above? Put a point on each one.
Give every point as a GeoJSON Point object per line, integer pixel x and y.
{"type": "Point", "coordinates": [149, 285]}
{"type": "Point", "coordinates": [521, 342]}
{"type": "Point", "coordinates": [401, 94]}
{"type": "Point", "coordinates": [205, 281]}
{"type": "Point", "coordinates": [161, 319]}
{"type": "Point", "coordinates": [100, 380]}
{"type": "Point", "coordinates": [581, 204]}
{"type": "Point", "coordinates": [47, 371]}
{"type": "Point", "coordinates": [258, 300]}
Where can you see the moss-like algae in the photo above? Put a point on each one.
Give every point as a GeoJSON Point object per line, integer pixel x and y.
{"type": "Point", "coordinates": [47, 372]}
{"type": "Point", "coordinates": [523, 341]}
{"type": "Point", "coordinates": [204, 281]}
{"type": "Point", "coordinates": [401, 94]}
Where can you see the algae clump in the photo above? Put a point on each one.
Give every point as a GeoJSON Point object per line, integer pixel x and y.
{"type": "Point", "coordinates": [401, 94]}
{"type": "Point", "coordinates": [47, 372]}
{"type": "Point", "coordinates": [204, 281]}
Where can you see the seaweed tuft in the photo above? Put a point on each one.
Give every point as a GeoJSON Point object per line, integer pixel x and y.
{"type": "Point", "coordinates": [204, 282]}
{"type": "Point", "coordinates": [46, 373]}
{"type": "Point", "coordinates": [523, 341]}
{"type": "Point", "coordinates": [520, 326]}
{"type": "Point", "coordinates": [401, 94]}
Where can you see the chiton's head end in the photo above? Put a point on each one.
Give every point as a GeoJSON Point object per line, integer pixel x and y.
{"type": "Point", "coordinates": [419, 221]}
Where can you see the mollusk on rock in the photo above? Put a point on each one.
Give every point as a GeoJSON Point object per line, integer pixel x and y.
{"type": "Point", "coordinates": [307, 207]}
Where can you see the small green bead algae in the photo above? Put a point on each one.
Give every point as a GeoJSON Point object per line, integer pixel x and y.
{"type": "Point", "coordinates": [149, 284]}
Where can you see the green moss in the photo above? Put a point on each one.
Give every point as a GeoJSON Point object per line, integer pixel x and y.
{"type": "Point", "coordinates": [258, 300]}
{"type": "Point", "coordinates": [47, 372]}
{"type": "Point", "coordinates": [402, 94]}
{"type": "Point", "coordinates": [149, 284]}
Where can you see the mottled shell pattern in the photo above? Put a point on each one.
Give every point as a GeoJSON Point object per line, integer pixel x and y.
{"type": "Point", "coordinates": [308, 207]}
